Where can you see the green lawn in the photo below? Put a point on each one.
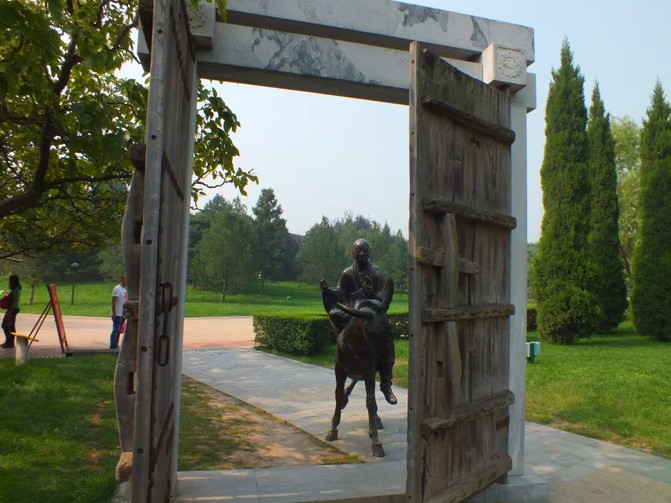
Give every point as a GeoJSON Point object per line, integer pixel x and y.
{"type": "Point", "coordinates": [58, 436]}
{"type": "Point", "coordinates": [613, 387]}
{"type": "Point", "coordinates": [93, 299]}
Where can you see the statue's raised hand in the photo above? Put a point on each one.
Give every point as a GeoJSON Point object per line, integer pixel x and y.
{"type": "Point", "coordinates": [323, 284]}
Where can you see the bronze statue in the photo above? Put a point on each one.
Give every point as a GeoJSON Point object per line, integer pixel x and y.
{"type": "Point", "coordinates": [358, 282]}
{"type": "Point", "coordinates": [358, 313]}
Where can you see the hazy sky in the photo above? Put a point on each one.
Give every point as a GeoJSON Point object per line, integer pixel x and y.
{"type": "Point", "coordinates": [325, 155]}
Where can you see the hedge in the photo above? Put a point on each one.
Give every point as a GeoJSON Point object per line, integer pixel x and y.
{"type": "Point", "coordinates": [531, 319]}
{"type": "Point", "coordinates": [307, 334]}
{"type": "Point", "coordinates": [293, 334]}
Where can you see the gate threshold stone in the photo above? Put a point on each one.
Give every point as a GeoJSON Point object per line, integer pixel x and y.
{"type": "Point", "coordinates": [359, 482]}
{"type": "Point", "coordinates": [351, 483]}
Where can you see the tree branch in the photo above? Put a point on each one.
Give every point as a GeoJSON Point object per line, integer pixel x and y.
{"type": "Point", "coordinates": [35, 195]}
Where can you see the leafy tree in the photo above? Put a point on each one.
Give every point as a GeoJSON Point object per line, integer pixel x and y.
{"type": "Point", "coordinates": [566, 307]}
{"type": "Point", "coordinates": [224, 257]}
{"type": "Point", "coordinates": [111, 262]}
{"type": "Point", "coordinates": [288, 270]}
{"type": "Point", "coordinates": [317, 256]}
{"type": "Point", "coordinates": [214, 149]}
{"type": "Point", "coordinates": [604, 241]}
{"type": "Point", "coordinates": [532, 254]}
{"type": "Point", "coordinates": [66, 122]}
{"type": "Point", "coordinates": [627, 136]}
{"type": "Point", "coordinates": [651, 295]}
{"type": "Point", "coordinates": [201, 220]}
{"type": "Point", "coordinates": [389, 252]}
{"type": "Point", "coordinates": [326, 249]}
{"type": "Point", "coordinates": [274, 245]}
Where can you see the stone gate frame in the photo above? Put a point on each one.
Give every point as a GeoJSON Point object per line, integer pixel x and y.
{"type": "Point", "coordinates": [359, 49]}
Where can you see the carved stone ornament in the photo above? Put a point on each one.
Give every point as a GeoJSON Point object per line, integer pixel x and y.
{"type": "Point", "coordinates": [503, 66]}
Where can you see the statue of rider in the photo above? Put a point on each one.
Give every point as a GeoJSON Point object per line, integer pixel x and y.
{"type": "Point", "coordinates": [362, 280]}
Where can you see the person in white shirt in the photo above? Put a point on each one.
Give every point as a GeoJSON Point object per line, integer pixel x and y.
{"type": "Point", "coordinates": [119, 297]}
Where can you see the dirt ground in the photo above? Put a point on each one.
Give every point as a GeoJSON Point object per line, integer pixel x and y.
{"type": "Point", "coordinates": [242, 436]}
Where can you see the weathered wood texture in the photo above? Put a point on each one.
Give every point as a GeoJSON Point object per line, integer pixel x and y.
{"type": "Point", "coordinates": [460, 198]}
{"type": "Point", "coordinates": [165, 213]}
{"type": "Point", "coordinates": [126, 367]}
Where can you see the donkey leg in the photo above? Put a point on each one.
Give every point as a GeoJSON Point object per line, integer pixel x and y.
{"type": "Point", "coordinates": [348, 392]}
{"type": "Point", "coordinates": [371, 405]}
{"type": "Point", "coordinates": [339, 396]}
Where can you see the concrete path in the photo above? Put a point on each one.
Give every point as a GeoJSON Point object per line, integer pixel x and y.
{"type": "Point", "coordinates": [559, 467]}
{"type": "Point", "coordinates": [88, 333]}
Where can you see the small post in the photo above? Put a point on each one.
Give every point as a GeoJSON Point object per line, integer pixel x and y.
{"type": "Point", "coordinates": [74, 266]}
{"type": "Point", "coordinates": [533, 349]}
{"type": "Point", "coordinates": [21, 351]}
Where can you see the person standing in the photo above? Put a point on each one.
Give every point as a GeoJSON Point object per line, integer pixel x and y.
{"type": "Point", "coordinates": [13, 308]}
{"type": "Point", "coordinates": [119, 297]}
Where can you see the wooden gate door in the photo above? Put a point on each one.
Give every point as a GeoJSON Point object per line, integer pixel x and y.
{"type": "Point", "coordinates": [173, 94]}
{"type": "Point", "coordinates": [460, 227]}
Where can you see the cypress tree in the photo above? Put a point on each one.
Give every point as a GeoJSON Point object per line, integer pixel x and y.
{"type": "Point", "coordinates": [604, 241]}
{"type": "Point", "coordinates": [566, 308]}
{"type": "Point", "coordinates": [651, 267]}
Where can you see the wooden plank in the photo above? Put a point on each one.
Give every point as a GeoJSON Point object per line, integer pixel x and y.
{"type": "Point", "coordinates": [137, 154]}
{"type": "Point", "coordinates": [436, 205]}
{"type": "Point", "coordinates": [428, 256]}
{"type": "Point", "coordinates": [436, 258]}
{"type": "Point", "coordinates": [481, 480]}
{"type": "Point", "coordinates": [469, 412]}
{"type": "Point", "coordinates": [167, 168]}
{"type": "Point", "coordinates": [442, 314]}
{"type": "Point", "coordinates": [165, 211]}
{"type": "Point", "coordinates": [468, 267]}
{"type": "Point", "coordinates": [460, 204]}
{"type": "Point", "coordinates": [499, 133]}
{"type": "Point", "coordinates": [146, 14]}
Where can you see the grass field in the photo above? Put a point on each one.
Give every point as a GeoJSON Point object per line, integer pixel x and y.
{"type": "Point", "coordinates": [94, 299]}
{"type": "Point", "coordinates": [58, 436]}
{"type": "Point", "coordinates": [613, 387]}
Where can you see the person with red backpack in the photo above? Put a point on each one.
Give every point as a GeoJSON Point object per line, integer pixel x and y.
{"type": "Point", "coordinates": [13, 308]}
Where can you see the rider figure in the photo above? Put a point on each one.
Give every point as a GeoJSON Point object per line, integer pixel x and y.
{"type": "Point", "coordinates": [362, 280]}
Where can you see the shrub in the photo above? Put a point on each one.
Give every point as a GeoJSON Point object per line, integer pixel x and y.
{"type": "Point", "coordinates": [306, 334]}
{"type": "Point", "coordinates": [567, 313]}
{"type": "Point", "coordinates": [399, 324]}
{"type": "Point", "coordinates": [531, 319]}
{"type": "Point", "coordinates": [293, 334]}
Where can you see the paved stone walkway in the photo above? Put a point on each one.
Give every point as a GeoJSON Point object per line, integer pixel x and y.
{"type": "Point", "coordinates": [559, 466]}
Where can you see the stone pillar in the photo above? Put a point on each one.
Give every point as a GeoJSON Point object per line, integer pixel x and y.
{"type": "Point", "coordinates": [518, 290]}
{"type": "Point", "coordinates": [505, 68]}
